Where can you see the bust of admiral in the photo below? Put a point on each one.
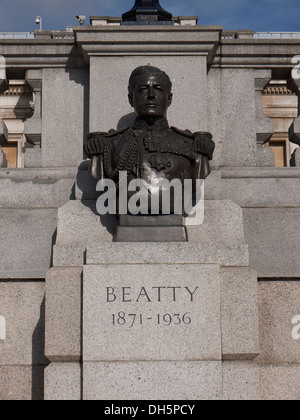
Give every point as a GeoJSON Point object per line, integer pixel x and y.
{"type": "Point", "coordinates": [150, 149]}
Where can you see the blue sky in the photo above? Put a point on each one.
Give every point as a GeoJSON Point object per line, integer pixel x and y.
{"type": "Point", "coordinates": [258, 15]}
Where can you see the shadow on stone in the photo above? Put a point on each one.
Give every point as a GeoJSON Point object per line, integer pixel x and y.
{"type": "Point", "coordinates": [39, 361]}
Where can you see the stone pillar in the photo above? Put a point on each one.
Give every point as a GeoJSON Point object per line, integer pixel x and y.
{"type": "Point", "coordinates": [33, 126]}
{"type": "Point", "coordinates": [294, 131]}
{"type": "Point", "coordinates": [3, 128]}
{"type": "Point", "coordinates": [264, 125]}
{"type": "Point", "coordinates": [3, 133]}
{"type": "Point", "coordinates": [63, 333]}
{"type": "Point", "coordinates": [3, 79]}
{"type": "Point", "coordinates": [295, 159]}
{"type": "Point", "coordinates": [3, 162]}
{"type": "Point", "coordinates": [65, 116]}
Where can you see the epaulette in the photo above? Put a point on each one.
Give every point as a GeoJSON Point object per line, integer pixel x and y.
{"type": "Point", "coordinates": [184, 133]}
{"type": "Point", "coordinates": [114, 133]}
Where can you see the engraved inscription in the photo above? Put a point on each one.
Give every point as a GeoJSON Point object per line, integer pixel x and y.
{"type": "Point", "coordinates": [121, 318]}
{"type": "Point", "coordinates": [154, 294]}
{"type": "Point", "coordinates": [146, 295]}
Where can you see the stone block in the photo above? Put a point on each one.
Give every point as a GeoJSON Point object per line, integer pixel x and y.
{"type": "Point", "coordinates": [26, 251]}
{"type": "Point", "coordinates": [65, 99]}
{"type": "Point", "coordinates": [280, 382]}
{"type": "Point", "coordinates": [152, 381]}
{"type": "Point", "coordinates": [241, 381]}
{"type": "Point", "coordinates": [63, 382]}
{"type": "Point", "coordinates": [22, 383]}
{"type": "Point", "coordinates": [68, 255]}
{"type": "Point", "coordinates": [279, 316]}
{"type": "Point", "coordinates": [35, 188]}
{"type": "Point", "coordinates": [238, 117]}
{"type": "Point", "coordinates": [240, 327]}
{"type": "Point", "coordinates": [222, 223]}
{"type": "Point", "coordinates": [79, 224]}
{"type": "Point", "coordinates": [144, 312]}
{"type": "Point", "coordinates": [63, 314]}
{"type": "Point", "coordinates": [33, 158]}
{"type": "Point", "coordinates": [261, 187]}
{"type": "Point", "coordinates": [167, 253]}
{"type": "Point", "coordinates": [215, 125]}
{"type": "Point", "coordinates": [22, 307]}
{"type": "Point", "coordinates": [273, 238]}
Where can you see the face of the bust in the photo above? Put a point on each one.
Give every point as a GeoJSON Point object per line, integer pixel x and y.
{"type": "Point", "coordinates": [150, 97]}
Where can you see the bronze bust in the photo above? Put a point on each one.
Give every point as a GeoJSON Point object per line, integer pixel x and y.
{"type": "Point", "coordinates": [150, 150]}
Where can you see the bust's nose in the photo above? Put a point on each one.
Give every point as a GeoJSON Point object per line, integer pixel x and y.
{"type": "Point", "coordinates": [151, 92]}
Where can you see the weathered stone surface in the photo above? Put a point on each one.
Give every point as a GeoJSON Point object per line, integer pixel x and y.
{"type": "Point", "coordinates": [36, 188]}
{"type": "Point", "coordinates": [240, 327]}
{"type": "Point", "coordinates": [222, 223]}
{"type": "Point", "coordinates": [152, 381]}
{"type": "Point", "coordinates": [279, 316]}
{"type": "Point", "coordinates": [191, 331]}
{"type": "Point", "coordinates": [30, 233]}
{"type": "Point", "coordinates": [241, 381]}
{"type": "Point", "coordinates": [63, 382]}
{"type": "Point", "coordinates": [22, 306]}
{"type": "Point", "coordinates": [22, 383]}
{"type": "Point", "coordinates": [68, 255]}
{"type": "Point", "coordinates": [79, 224]}
{"type": "Point", "coordinates": [238, 117]}
{"type": "Point", "coordinates": [68, 90]}
{"type": "Point", "coordinates": [33, 158]}
{"type": "Point", "coordinates": [261, 187]}
{"type": "Point", "coordinates": [280, 382]}
{"type": "Point", "coordinates": [167, 253]}
{"type": "Point", "coordinates": [63, 314]}
{"type": "Point", "coordinates": [273, 240]}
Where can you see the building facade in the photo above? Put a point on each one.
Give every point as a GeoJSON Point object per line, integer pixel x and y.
{"type": "Point", "coordinates": [58, 87]}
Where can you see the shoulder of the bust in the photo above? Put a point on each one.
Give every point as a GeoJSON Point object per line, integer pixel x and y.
{"type": "Point", "coordinates": [185, 133]}
{"type": "Point", "coordinates": [109, 134]}
{"type": "Point", "coordinates": [114, 133]}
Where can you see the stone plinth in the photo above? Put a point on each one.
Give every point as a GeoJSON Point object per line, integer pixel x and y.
{"type": "Point", "coordinates": [157, 307]}
{"type": "Point", "coordinates": [151, 311]}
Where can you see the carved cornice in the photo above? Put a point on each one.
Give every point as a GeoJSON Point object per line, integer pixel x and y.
{"type": "Point", "coordinates": [278, 90]}
{"type": "Point", "coordinates": [17, 91]}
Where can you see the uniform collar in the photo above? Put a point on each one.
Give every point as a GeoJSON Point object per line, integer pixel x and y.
{"type": "Point", "coordinates": [142, 125]}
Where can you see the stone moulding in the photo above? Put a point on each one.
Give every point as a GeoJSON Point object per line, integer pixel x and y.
{"type": "Point", "coordinates": [256, 53]}
{"type": "Point", "coordinates": [39, 53]}
{"type": "Point", "coordinates": [156, 40]}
